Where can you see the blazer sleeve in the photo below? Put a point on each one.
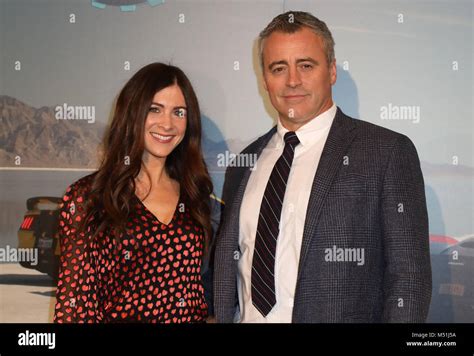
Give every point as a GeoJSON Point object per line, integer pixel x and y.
{"type": "Point", "coordinates": [208, 263]}
{"type": "Point", "coordinates": [407, 275]}
{"type": "Point", "coordinates": [75, 301]}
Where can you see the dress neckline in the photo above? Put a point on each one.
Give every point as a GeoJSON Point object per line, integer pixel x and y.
{"type": "Point", "coordinates": [156, 217]}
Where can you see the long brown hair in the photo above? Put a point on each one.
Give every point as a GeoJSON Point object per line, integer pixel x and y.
{"type": "Point", "coordinates": [113, 186]}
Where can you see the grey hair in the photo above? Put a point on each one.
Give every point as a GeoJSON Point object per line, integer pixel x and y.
{"type": "Point", "coordinates": [293, 21]}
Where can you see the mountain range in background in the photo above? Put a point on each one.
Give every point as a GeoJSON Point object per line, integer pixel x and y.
{"type": "Point", "coordinates": [40, 140]}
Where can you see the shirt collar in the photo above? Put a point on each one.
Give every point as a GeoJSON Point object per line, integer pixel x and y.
{"type": "Point", "coordinates": [306, 133]}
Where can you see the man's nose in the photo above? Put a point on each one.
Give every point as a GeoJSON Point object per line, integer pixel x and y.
{"type": "Point", "coordinates": [294, 78]}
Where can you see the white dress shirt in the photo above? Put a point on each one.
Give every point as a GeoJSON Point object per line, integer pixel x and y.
{"type": "Point", "coordinates": [312, 138]}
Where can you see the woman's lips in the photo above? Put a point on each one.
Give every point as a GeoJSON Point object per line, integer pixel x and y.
{"type": "Point", "coordinates": [161, 138]}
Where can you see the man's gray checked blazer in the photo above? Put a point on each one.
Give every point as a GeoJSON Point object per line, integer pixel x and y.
{"type": "Point", "coordinates": [368, 193]}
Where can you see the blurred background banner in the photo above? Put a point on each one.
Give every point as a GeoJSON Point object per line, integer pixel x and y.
{"type": "Point", "coordinates": [404, 65]}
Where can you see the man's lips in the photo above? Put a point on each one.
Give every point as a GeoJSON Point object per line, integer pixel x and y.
{"type": "Point", "coordinates": [294, 97]}
{"type": "Point", "coordinates": [161, 138]}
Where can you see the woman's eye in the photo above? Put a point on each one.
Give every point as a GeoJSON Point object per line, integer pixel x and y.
{"type": "Point", "coordinates": [154, 109]}
{"type": "Point", "coordinates": [180, 112]}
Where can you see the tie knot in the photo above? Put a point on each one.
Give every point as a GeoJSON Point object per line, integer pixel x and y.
{"type": "Point", "coordinates": [291, 139]}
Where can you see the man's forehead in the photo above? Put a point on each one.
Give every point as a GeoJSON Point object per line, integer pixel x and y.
{"type": "Point", "coordinates": [298, 40]}
{"type": "Point", "coordinates": [304, 32]}
{"type": "Point", "coordinates": [293, 46]}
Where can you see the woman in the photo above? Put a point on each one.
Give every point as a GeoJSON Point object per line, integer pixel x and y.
{"type": "Point", "coordinates": [134, 233]}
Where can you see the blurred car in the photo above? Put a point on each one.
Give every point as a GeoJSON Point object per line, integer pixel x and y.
{"type": "Point", "coordinates": [439, 243]}
{"type": "Point", "coordinates": [464, 248]}
{"type": "Point", "coordinates": [453, 283]}
{"type": "Point", "coordinates": [39, 230]}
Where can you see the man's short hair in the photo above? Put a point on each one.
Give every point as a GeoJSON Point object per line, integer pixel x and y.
{"type": "Point", "coordinates": [293, 21]}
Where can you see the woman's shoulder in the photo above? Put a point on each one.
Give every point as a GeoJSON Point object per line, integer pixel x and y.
{"type": "Point", "coordinates": [81, 187]}
{"type": "Point", "coordinates": [72, 208]}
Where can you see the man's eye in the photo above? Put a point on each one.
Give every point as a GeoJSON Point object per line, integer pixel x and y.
{"type": "Point", "coordinates": [277, 70]}
{"type": "Point", "coordinates": [154, 109]}
{"type": "Point", "coordinates": [307, 66]}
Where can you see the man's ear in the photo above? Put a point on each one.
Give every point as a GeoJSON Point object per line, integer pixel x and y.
{"type": "Point", "coordinates": [333, 72]}
{"type": "Point", "coordinates": [264, 79]}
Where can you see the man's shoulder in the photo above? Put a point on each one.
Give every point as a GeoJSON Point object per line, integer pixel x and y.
{"type": "Point", "coordinates": [257, 143]}
{"type": "Point", "coordinates": [375, 135]}
{"type": "Point", "coordinates": [378, 142]}
{"type": "Point", "coordinates": [369, 128]}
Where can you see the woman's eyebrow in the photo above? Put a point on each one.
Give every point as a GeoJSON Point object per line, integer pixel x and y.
{"type": "Point", "coordinates": [176, 107]}
{"type": "Point", "coordinates": [157, 104]}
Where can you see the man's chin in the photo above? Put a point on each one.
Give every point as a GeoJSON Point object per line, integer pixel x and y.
{"type": "Point", "coordinates": [294, 123]}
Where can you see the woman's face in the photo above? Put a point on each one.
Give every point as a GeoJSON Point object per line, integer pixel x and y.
{"type": "Point", "coordinates": [165, 124]}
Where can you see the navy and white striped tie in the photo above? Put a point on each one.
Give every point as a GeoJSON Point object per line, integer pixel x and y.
{"type": "Point", "coordinates": [263, 262]}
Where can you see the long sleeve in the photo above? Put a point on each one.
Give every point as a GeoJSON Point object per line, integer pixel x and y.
{"type": "Point", "coordinates": [407, 275]}
{"type": "Point", "coordinates": [75, 297]}
{"type": "Point", "coordinates": [208, 266]}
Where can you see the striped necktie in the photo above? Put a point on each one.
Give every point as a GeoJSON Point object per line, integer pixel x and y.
{"type": "Point", "coordinates": [263, 262]}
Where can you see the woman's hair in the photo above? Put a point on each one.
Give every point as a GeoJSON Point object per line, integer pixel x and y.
{"type": "Point", "coordinates": [111, 197]}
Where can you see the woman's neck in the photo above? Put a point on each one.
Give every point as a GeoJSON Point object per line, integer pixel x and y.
{"type": "Point", "coordinates": [153, 175]}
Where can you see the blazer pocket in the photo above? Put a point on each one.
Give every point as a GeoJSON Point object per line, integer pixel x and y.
{"type": "Point", "coordinates": [357, 318]}
{"type": "Point", "coordinates": [349, 185]}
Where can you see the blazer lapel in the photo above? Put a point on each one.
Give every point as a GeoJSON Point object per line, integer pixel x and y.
{"type": "Point", "coordinates": [237, 201]}
{"type": "Point", "coordinates": [340, 136]}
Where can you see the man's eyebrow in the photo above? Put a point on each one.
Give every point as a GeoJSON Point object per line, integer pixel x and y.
{"type": "Point", "coordinates": [306, 59]}
{"type": "Point", "coordinates": [271, 65]}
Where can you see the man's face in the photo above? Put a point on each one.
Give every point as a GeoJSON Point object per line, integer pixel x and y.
{"type": "Point", "coordinates": [297, 76]}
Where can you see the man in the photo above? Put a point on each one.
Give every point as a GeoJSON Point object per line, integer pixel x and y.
{"type": "Point", "coordinates": [331, 225]}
